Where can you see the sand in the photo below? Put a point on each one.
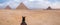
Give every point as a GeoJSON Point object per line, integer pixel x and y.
{"type": "Point", "coordinates": [33, 17]}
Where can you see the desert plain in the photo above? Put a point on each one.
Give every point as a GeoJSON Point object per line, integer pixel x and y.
{"type": "Point", "coordinates": [33, 17]}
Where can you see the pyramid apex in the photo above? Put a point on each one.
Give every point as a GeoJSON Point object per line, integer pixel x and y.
{"type": "Point", "coordinates": [22, 6]}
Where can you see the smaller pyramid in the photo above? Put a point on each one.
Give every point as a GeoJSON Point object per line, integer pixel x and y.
{"type": "Point", "coordinates": [22, 7]}
{"type": "Point", "coordinates": [49, 8]}
{"type": "Point", "coordinates": [8, 8]}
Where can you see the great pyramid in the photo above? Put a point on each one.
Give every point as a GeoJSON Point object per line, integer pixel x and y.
{"type": "Point", "coordinates": [8, 8]}
{"type": "Point", "coordinates": [49, 8]}
{"type": "Point", "coordinates": [22, 7]}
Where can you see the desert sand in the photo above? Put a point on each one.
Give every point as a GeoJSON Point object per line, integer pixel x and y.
{"type": "Point", "coordinates": [33, 17]}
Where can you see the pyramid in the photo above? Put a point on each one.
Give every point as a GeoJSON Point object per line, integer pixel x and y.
{"type": "Point", "coordinates": [8, 8]}
{"type": "Point", "coordinates": [22, 7]}
{"type": "Point", "coordinates": [49, 8]}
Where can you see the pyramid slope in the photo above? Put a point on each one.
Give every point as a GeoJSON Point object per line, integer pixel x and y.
{"type": "Point", "coordinates": [8, 8]}
{"type": "Point", "coordinates": [22, 7]}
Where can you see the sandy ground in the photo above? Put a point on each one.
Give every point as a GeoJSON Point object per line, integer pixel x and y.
{"type": "Point", "coordinates": [33, 17]}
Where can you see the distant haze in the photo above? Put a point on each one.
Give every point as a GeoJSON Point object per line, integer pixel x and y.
{"type": "Point", "coordinates": [31, 4]}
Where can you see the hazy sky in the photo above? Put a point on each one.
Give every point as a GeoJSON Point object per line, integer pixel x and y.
{"type": "Point", "coordinates": [30, 3]}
